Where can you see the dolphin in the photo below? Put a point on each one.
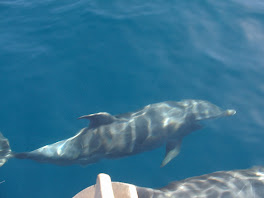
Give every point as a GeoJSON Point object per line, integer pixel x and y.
{"type": "Point", "coordinates": [244, 183]}
{"type": "Point", "coordinates": [114, 136]}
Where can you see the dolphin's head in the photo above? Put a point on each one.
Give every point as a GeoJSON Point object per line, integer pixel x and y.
{"type": "Point", "coordinates": [202, 110]}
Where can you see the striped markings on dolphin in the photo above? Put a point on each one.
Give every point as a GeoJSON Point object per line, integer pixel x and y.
{"type": "Point", "coordinates": [109, 136]}
{"type": "Point", "coordinates": [245, 183]}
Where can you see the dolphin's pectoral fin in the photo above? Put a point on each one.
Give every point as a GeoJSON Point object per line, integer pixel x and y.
{"type": "Point", "coordinates": [98, 119]}
{"type": "Point", "coordinates": [172, 150]}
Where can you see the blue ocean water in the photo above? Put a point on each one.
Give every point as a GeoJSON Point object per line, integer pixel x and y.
{"type": "Point", "coordinates": [63, 59]}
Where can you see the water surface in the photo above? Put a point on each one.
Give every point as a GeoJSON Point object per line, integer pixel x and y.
{"type": "Point", "coordinates": [61, 60]}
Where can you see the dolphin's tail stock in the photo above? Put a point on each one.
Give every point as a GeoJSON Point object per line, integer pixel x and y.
{"type": "Point", "coordinates": [5, 151]}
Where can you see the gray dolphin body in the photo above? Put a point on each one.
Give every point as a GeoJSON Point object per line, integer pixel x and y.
{"type": "Point", "coordinates": [247, 183]}
{"type": "Point", "coordinates": [127, 134]}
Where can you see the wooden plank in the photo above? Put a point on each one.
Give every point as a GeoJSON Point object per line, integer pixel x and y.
{"type": "Point", "coordinates": [104, 188]}
{"type": "Point", "coordinates": [123, 190]}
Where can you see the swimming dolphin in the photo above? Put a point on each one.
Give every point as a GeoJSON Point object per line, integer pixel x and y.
{"type": "Point", "coordinates": [109, 136]}
{"type": "Point", "coordinates": [245, 183]}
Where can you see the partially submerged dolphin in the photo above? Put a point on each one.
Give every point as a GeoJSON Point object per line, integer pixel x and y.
{"type": "Point", "coordinates": [127, 134]}
{"type": "Point", "coordinates": [245, 183]}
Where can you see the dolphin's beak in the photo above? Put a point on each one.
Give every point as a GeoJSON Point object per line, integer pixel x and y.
{"type": "Point", "coordinates": [230, 112]}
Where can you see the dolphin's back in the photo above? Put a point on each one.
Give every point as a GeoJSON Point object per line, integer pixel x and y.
{"type": "Point", "coordinates": [131, 133]}
{"type": "Point", "coordinates": [248, 183]}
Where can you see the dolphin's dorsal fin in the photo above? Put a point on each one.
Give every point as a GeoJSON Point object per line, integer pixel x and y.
{"type": "Point", "coordinates": [98, 119]}
{"type": "Point", "coordinates": [172, 150]}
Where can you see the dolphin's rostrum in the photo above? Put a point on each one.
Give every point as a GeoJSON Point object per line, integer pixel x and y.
{"type": "Point", "coordinates": [109, 136]}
